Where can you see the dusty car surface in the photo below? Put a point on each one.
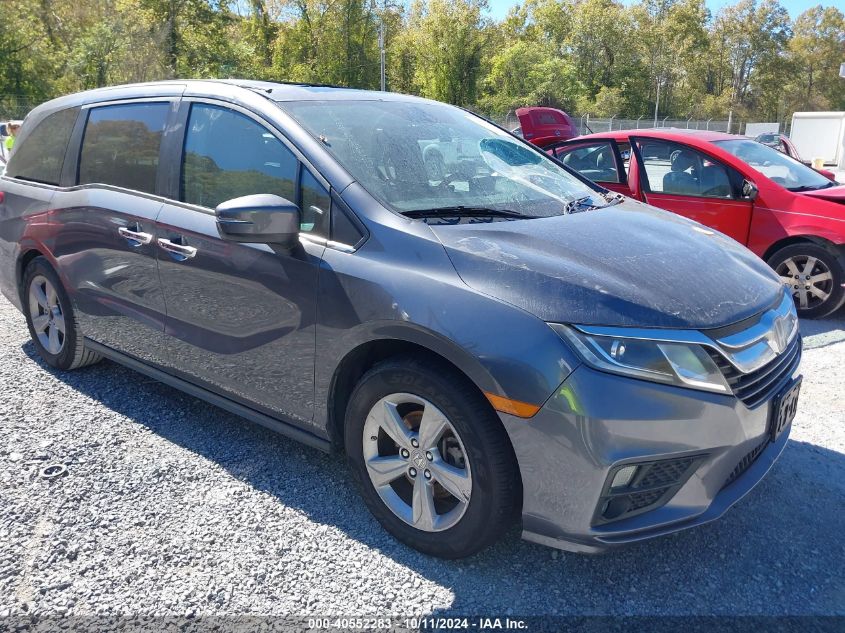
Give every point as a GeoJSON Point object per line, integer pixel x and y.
{"type": "Point", "coordinates": [500, 340]}
{"type": "Point", "coordinates": [788, 214]}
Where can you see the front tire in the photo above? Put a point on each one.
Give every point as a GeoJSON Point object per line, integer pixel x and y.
{"type": "Point", "coordinates": [51, 320]}
{"type": "Point", "coordinates": [814, 275]}
{"type": "Point", "coordinates": [430, 458]}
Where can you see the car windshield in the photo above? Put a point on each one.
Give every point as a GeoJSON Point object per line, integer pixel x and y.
{"type": "Point", "coordinates": [780, 168]}
{"type": "Point", "coordinates": [416, 157]}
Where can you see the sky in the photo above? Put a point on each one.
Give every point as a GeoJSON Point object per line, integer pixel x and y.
{"type": "Point", "coordinates": [499, 8]}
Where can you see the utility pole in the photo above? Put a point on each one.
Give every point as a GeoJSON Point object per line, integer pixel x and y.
{"type": "Point", "coordinates": [381, 54]}
{"type": "Point", "coordinates": [657, 101]}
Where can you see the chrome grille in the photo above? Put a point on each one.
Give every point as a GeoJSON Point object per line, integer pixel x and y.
{"type": "Point", "coordinates": [757, 386]}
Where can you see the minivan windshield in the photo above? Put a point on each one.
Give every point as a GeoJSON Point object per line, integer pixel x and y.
{"type": "Point", "coordinates": [418, 158]}
{"type": "Point", "coordinates": [780, 168]}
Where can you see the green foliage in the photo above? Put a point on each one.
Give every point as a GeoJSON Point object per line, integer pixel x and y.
{"type": "Point", "coordinates": [449, 39]}
{"type": "Point", "coordinates": [605, 57]}
{"type": "Point", "coordinates": [525, 74]}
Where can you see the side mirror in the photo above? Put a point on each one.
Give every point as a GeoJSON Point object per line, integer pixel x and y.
{"type": "Point", "coordinates": [749, 190]}
{"type": "Point", "coordinates": [261, 218]}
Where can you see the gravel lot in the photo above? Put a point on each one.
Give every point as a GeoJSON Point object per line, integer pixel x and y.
{"type": "Point", "coordinates": [172, 506]}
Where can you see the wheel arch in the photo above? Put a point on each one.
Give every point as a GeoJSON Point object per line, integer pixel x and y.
{"type": "Point", "coordinates": [362, 358]}
{"type": "Point", "coordinates": [24, 259]}
{"type": "Point", "coordinates": [801, 239]}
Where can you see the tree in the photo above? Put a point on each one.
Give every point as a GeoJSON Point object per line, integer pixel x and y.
{"type": "Point", "coordinates": [525, 74]}
{"type": "Point", "coordinates": [334, 42]}
{"type": "Point", "coordinates": [603, 56]}
{"type": "Point", "coordinates": [449, 38]}
{"type": "Point", "coordinates": [754, 36]}
{"type": "Point", "coordinates": [815, 51]}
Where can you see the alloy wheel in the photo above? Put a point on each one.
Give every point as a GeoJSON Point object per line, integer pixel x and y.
{"type": "Point", "coordinates": [417, 462]}
{"type": "Point", "coordinates": [809, 279]}
{"type": "Point", "coordinates": [47, 316]}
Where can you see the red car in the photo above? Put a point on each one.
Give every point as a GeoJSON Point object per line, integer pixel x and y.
{"type": "Point", "coordinates": [787, 213]}
{"type": "Point", "coordinates": [542, 125]}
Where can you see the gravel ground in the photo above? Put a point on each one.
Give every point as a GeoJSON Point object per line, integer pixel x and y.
{"type": "Point", "coordinates": [172, 506]}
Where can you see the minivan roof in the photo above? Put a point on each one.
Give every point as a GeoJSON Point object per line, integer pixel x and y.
{"type": "Point", "coordinates": [275, 91]}
{"type": "Point", "coordinates": [284, 91]}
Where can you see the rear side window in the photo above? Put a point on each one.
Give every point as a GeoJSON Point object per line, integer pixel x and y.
{"type": "Point", "coordinates": [550, 118]}
{"type": "Point", "coordinates": [121, 145]}
{"type": "Point", "coordinates": [41, 154]}
{"type": "Point", "coordinates": [228, 155]}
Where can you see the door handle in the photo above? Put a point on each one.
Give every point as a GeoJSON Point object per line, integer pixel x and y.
{"type": "Point", "coordinates": [180, 250]}
{"type": "Point", "coordinates": [135, 236]}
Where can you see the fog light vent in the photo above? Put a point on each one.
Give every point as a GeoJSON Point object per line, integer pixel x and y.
{"type": "Point", "coordinates": [632, 489]}
{"type": "Point", "coordinates": [623, 476]}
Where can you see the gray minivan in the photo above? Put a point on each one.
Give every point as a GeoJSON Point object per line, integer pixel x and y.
{"type": "Point", "coordinates": [494, 339]}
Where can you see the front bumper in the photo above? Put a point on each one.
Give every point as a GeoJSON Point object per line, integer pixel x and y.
{"type": "Point", "coordinates": [596, 421]}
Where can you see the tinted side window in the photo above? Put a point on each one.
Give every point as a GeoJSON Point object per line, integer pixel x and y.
{"type": "Point", "coordinates": [228, 155]}
{"type": "Point", "coordinates": [672, 168]}
{"type": "Point", "coordinates": [549, 118]}
{"type": "Point", "coordinates": [41, 154]}
{"type": "Point", "coordinates": [121, 145]}
{"type": "Point", "coordinates": [343, 229]}
{"type": "Point", "coordinates": [316, 205]}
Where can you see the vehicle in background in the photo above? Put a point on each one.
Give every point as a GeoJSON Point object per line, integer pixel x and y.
{"type": "Point", "coordinates": [788, 214]}
{"type": "Point", "coordinates": [541, 125]}
{"type": "Point", "coordinates": [781, 143]}
{"type": "Point", "coordinates": [450, 154]}
{"type": "Point", "coordinates": [510, 340]}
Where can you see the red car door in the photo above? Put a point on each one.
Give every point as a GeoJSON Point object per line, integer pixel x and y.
{"type": "Point", "coordinates": [599, 160]}
{"type": "Point", "coordinates": [689, 182]}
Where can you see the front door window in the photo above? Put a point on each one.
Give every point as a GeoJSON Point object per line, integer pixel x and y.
{"type": "Point", "coordinates": [672, 168]}
{"type": "Point", "coordinates": [596, 161]}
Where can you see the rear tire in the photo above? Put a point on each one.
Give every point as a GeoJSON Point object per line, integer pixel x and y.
{"type": "Point", "coordinates": [814, 275]}
{"type": "Point", "coordinates": [51, 320]}
{"type": "Point", "coordinates": [453, 458]}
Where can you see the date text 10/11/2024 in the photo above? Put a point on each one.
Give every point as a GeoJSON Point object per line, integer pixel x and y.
{"type": "Point", "coordinates": [422, 624]}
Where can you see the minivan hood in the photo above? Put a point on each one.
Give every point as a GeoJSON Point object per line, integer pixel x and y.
{"type": "Point", "coordinates": [624, 265]}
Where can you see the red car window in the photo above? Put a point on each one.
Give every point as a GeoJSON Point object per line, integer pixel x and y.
{"type": "Point", "coordinates": [595, 161]}
{"type": "Point", "coordinates": [673, 168]}
{"type": "Point", "coordinates": [550, 118]}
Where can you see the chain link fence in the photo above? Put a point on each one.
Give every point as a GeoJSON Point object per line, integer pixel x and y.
{"type": "Point", "coordinates": [587, 124]}
{"type": "Point", "coordinates": [15, 106]}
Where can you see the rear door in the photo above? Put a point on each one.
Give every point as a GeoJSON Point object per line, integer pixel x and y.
{"type": "Point", "coordinates": [689, 182]}
{"type": "Point", "coordinates": [599, 160]}
{"type": "Point", "coordinates": [240, 316]}
{"type": "Point", "coordinates": [105, 242]}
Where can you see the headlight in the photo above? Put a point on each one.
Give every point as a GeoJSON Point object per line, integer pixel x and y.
{"type": "Point", "coordinates": [682, 364]}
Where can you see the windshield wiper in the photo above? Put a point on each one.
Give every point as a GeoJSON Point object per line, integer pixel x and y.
{"type": "Point", "coordinates": [828, 184]}
{"type": "Point", "coordinates": [611, 197]}
{"type": "Point", "coordinates": [585, 203]}
{"type": "Point", "coordinates": [465, 212]}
